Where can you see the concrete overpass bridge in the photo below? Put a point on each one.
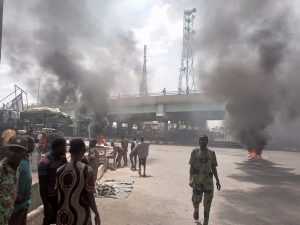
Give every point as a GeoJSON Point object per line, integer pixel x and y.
{"type": "Point", "coordinates": [172, 110]}
{"type": "Point", "coordinates": [170, 106]}
{"type": "Point", "coordinates": [191, 107]}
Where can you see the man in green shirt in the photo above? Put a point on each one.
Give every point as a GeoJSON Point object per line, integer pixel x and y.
{"type": "Point", "coordinates": [203, 166]}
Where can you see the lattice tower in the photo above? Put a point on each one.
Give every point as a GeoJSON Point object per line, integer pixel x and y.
{"type": "Point", "coordinates": [186, 77]}
{"type": "Point", "coordinates": [143, 85]}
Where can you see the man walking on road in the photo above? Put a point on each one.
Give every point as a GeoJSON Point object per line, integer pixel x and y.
{"type": "Point", "coordinates": [47, 168]}
{"type": "Point", "coordinates": [203, 166]}
{"type": "Point", "coordinates": [76, 187]}
{"type": "Point", "coordinates": [143, 151]}
{"type": "Point", "coordinates": [124, 144]}
{"type": "Point", "coordinates": [133, 154]}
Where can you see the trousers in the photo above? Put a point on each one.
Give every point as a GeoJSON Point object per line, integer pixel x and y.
{"type": "Point", "coordinates": [19, 217]}
{"type": "Point", "coordinates": [198, 192]}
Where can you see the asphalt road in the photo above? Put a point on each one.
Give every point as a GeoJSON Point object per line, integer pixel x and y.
{"type": "Point", "coordinates": [254, 192]}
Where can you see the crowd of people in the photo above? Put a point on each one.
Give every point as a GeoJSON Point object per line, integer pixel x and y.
{"type": "Point", "coordinates": [139, 150]}
{"type": "Point", "coordinates": [66, 186]}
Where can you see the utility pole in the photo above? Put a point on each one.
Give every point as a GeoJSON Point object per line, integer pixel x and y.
{"type": "Point", "coordinates": [38, 94]}
{"type": "Point", "coordinates": [1, 25]}
{"type": "Point", "coordinates": [187, 59]}
{"type": "Point", "coordinates": [143, 85]}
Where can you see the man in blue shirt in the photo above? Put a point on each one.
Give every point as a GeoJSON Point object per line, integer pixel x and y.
{"type": "Point", "coordinates": [23, 200]}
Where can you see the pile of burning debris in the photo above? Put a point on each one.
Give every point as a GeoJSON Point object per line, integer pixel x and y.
{"type": "Point", "coordinates": [113, 189]}
{"type": "Point", "coordinates": [254, 154]}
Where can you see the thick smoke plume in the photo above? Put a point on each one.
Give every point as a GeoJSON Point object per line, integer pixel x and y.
{"type": "Point", "coordinates": [77, 61]}
{"type": "Point", "coordinates": [249, 52]}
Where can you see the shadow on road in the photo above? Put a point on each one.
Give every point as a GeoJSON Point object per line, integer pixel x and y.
{"type": "Point", "coordinates": [151, 160]}
{"type": "Point", "coordinates": [138, 176]}
{"type": "Point", "coordinates": [274, 201]}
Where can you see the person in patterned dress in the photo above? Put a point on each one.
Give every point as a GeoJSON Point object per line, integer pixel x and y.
{"type": "Point", "coordinates": [76, 189]}
{"type": "Point", "coordinates": [9, 176]}
{"type": "Point", "coordinates": [203, 166]}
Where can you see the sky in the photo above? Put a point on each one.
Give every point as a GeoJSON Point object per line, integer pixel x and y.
{"type": "Point", "coordinates": [246, 55]}
{"type": "Point", "coordinates": [155, 23]}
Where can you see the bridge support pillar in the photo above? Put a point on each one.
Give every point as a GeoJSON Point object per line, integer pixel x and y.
{"type": "Point", "coordinates": [130, 127]}
{"type": "Point", "coordinates": [119, 129]}
{"type": "Point", "coordinates": [76, 125]}
{"type": "Point", "coordinates": [202, 127]}
{"type": "Point", "coordinates": [109, 129]}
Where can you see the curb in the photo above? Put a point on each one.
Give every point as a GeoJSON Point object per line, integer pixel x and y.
{"type": "Point", "coordinates": [35, 214]}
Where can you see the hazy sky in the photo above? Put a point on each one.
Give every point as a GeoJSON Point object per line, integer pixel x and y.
{"type": "Point", "coordinates": [156, 23]}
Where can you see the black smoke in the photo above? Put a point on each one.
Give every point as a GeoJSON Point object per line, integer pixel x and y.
{"type": "Point", "coordinates": [249, 52]}
{"type": "Point", "coordinates": [61, 43]}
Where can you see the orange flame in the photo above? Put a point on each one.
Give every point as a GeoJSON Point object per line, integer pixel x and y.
{"type": "Point", "coordinates": [253, 154]}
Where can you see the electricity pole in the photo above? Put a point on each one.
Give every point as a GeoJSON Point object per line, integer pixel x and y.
{"type": "Point", "coordinates": [143, 85]}
{"type": "Point", "coordinates": [1, 24]}
{"type": "Point", "coordinates": [187, 59]}
{"type": "Point", "coordinates": [38, 94]}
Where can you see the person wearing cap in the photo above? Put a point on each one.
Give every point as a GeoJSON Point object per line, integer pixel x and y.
{"type": "Point", "coordinates": [23, 199]}
{"type": "Point", "coordinates": [47, 168]}
{"type": "Point", "coordinates": [9, 175]}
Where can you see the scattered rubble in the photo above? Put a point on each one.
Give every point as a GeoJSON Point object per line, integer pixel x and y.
{"type": "Point", "coordinates": [113, 189]}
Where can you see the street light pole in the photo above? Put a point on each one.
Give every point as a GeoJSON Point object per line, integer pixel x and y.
{"type": "Point", "coordinates": [1, 24]}
{"type": "Point", "coordinates": [38, 97]}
